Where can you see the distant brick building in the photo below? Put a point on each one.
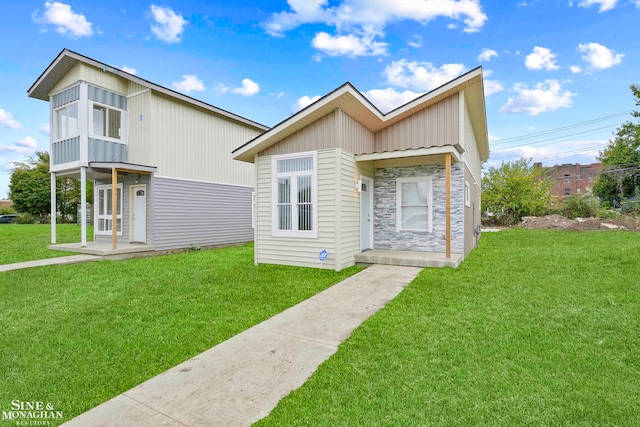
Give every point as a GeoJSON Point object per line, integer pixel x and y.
{"type": "Point", "coordinates": [569, 179]}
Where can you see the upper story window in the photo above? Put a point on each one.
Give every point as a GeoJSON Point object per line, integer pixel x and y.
{"type": "Point", "coordinates": [106, 121]}
{"type": "Point", "coordinates": [295, 195]}
{"type": "Point", "coordinates": [65, 122]}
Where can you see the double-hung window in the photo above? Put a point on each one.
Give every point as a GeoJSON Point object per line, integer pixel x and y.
{"type": "Point", "coordinates": [106, 122]}
{"type": "Point", "coordinates": [295, 195]}
{"type": "Point", "coordinates": [65, 122]}
{"type": "Point", "coordinates": [104, 202]}
{"type": "Point", "coordinates": [413, 204]}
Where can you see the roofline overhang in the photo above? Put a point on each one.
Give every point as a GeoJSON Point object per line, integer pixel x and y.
{"type": "Point", "coordinates": [43, 85]}
{"type": "Point", "coordinates": [366, 112]}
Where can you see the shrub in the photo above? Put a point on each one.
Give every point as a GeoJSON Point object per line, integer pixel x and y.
{"type": "Point", "coordinates": [25, 219]}
{"type": "Point", "coordinates": [583, 206]}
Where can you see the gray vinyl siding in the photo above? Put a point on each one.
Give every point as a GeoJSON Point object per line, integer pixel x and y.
{"type": "Point", "coordinates": [107, 151]}
{"type": "Point", "coordinates": [107, 97]}
{"type": "Point", "coordinates": [297, 250]}
{"type": "Point", "coordinates": [65, 151]}
{"type": "Point", "coordinates": [66, 96]}
{"type": "Point", "coordinates": [193, 213]}
{"type": "Point", "coordinates": [435, 126]}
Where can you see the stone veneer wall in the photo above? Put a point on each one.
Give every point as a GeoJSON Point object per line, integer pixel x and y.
{"type": "Point", "coordinates": [385, 234]}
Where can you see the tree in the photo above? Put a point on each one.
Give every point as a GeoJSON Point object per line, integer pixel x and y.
{"type": "Point", "coordinates": [30, 189]}
{"type": "Point", "coordinates": [621, 160]}
{"type": "Point", "coordinates": [29, 186]}
{"type": "Point", "coordinates": [516, 189]}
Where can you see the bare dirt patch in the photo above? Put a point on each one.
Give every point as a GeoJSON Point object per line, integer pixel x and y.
{"type": "Point", "coordinates": [559, 222]}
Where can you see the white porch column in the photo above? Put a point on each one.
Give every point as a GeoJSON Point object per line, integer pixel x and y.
{"type": "Point", "coordinates": [114, 208]}
{"type": "Point", "coordinates": [53, 208]}
{"type": "Point", "coordinates": [83, 206]}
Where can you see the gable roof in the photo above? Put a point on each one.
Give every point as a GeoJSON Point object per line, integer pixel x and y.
{"type": "Point", "coordinates": [353, 103]}
{"type": "Point", "coordinates": [67, 59]}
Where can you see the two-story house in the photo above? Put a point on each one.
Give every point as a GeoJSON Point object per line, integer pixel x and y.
{"type": "Point", "coordinates": [161, 161]}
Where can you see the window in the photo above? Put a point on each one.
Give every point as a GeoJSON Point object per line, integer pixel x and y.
{"type": "Point", "coordinates": [566, 177]}
{"type": "Point", "coordinates": [567, 191]}
{"type": "Point", "coordinates": [66, 122]}
{"type": "Point", "coordinates": [295, 195]}
{"type": "Point", "coordinates": [467, 194]}
{"type": "Point", "coordinates": [413, 204]}
{"type": "Point", "coordinates": [106, 121]}
{"type": "Point", "coordinates": [104, 219]}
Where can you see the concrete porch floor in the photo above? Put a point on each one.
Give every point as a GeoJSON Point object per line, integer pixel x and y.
{"type": "Point", "coordinates": [103, 248]}
{"type": "Point", "coordinates": [408, 258]}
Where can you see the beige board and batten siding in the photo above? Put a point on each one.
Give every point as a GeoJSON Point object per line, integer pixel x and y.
{"type": "Point", "coordinates": [435, 126]}
{"type": "Point", "coordinates": [297, 250]}
{"type": "Point", "coordinates": [471, 213]}
{"type": "Point", "coordinates": [471, 155]}
{"type": "Point", "coordinates": [335, 130]}
{"type": "Point", "coordinates": [189, 142]}
{"type": "Point", "coordinates": [140, 131]}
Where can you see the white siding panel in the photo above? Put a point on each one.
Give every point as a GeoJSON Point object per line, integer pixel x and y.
{"type": "Point", "coordinates": [140, 150]}
{"type": "Point", "coordinates": [194, 144]}
{"type": "Point", "coordinates": [297, 251]}
{"type": "Point", "coordinates": [69, 79]}
{"type": "Point", "coordinates": [349, 216]}
{"type": "Point", "coordinates": [104, 79]}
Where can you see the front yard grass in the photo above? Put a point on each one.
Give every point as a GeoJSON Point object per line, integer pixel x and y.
{"type": "Point", "coordinates": [28, 242]}
{"type": "Point", "coordinates": [534, 328]}
{"type": "Point", "coordinates": [77, 335]}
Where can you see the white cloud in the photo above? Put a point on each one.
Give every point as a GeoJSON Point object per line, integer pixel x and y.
{"type": "Point", "coordinates": [65, 20]}
{"type": "Point", "coordinates": [364, 20]}
{"type": "Point", "coordinates": [541, 59]}
{"type": "Point", "coordinates": [129, 70]}
{"type": "Point", "coordinates": [189, 83]}
{"type": "Point", "coordinates": [7, 120]}
{"type": "Point", "coordinates": [487, 54]}
{"type": "Point", "coordinates": [599, 56]}
{"type": "Point", "coordinates": [492, 86]}
{"type": "Point", "coordinates": [348, 45]}
{"type": "Point", "coordinates": [421, 76]}
{"type": "Point", "coordinates": [45, 129]}
{"type": "Point", "coordinates": [576, 69]}
{"type": "Point", "coordinates": [248, 88]}
{"type": "Point", "coordinates": [304, 101]}
{"type": "Point", "coordinates": [169, 25]}
{"type": "Point", "coordinates": [26, 146]}
{"type": "Point", "coordinates": [544, 96]}
{"type": "Point", "coordinates": [604, 4]}
{"type": "Point", "coordinates": [277, 95]}
{"type": "Point", "coordinates": [389, 99]}
{"type": "Point", "coordinates": [416, 41]}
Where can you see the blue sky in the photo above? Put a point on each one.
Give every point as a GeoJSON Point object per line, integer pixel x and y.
{"type": "Point", "coordinates": [557, 72]}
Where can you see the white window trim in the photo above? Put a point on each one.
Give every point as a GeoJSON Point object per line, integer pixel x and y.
{"type": "Point", "coordinates": [54, 127]}
{"type": "Point", "coordinates": [467, 194]}
{"type": "Point", "coordinates": [97, 216]}
{"type": "Point", "coordinates": [399, 182]}
{"type": "Point", "coordinates": [275, 232]}
{"type": "Point", "coordinates": [123, 123]}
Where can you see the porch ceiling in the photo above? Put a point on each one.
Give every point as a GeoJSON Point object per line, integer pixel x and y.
{"type": "Point", "coordinates": [102, 170]}
{"type": "Point", "coordinates": [412, 157]}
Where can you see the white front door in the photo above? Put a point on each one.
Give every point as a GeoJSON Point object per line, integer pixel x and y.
{"type": "Point", "coordinates": [366, 214]}
{"type": "Point", "coordinates": [139, 213]}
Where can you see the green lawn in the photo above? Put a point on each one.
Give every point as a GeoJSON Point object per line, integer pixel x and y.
{"type": "Point", "coordinates": [27, 242]}
{"type": "Point", "coordinates": [78, 335]}
{"type": "Point", "coordinates": [534, 328]}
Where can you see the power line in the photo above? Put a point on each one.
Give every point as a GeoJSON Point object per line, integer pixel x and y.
{"type": "Point", "coordinates": [562, 128]}
{"type": "Point", "coordinates": [553, 139]}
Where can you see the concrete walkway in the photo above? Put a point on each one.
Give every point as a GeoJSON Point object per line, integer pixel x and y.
{"type": "Point", "coordinates": [241, 380]}
{"type": "Point", "coordinates": [72, 259]}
